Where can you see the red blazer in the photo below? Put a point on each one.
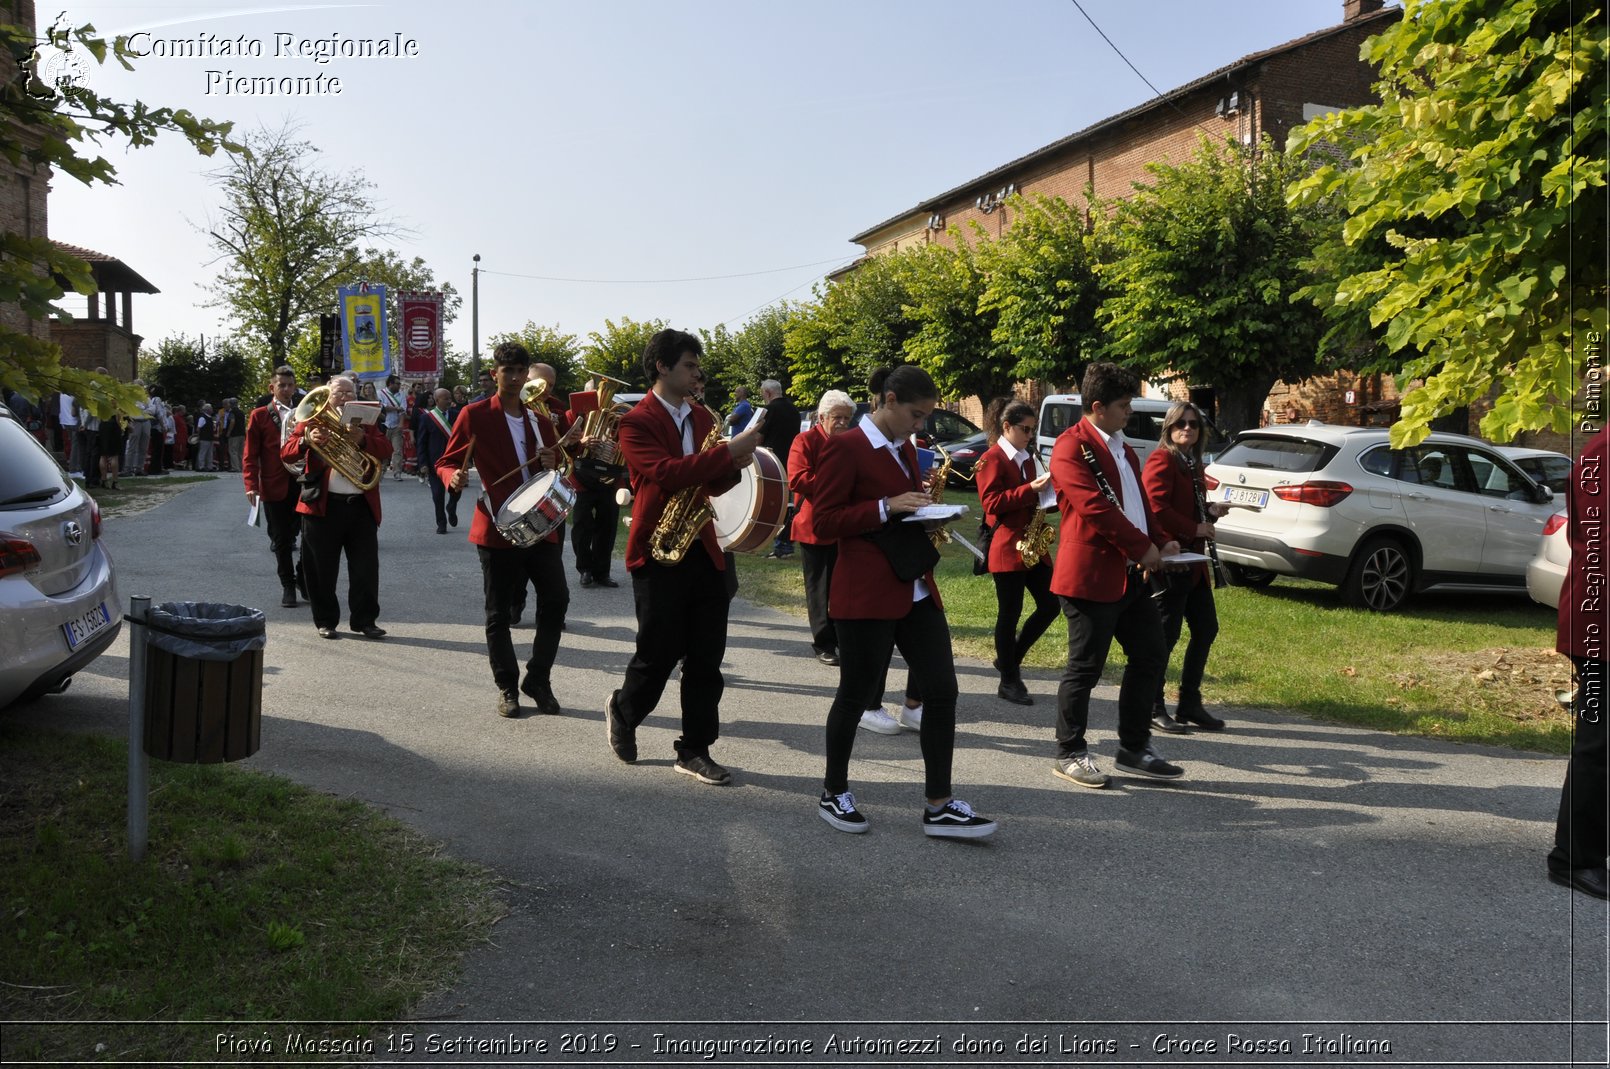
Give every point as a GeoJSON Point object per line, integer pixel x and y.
{"type": "Point", "coordinates": [1096, 541]}
{"type": "Point", "coordinates": [374, 443]}
{"type": "Point", "coordinates": [1009, 505]}
{"type": "Point", "coordinates": [1170, 491]}
{"type": "Point", "coordinates": [1583, 598]}
{"type": "Point", "coordinates": [803, 457]}
{"type": "Point", "coordinates": [487, 422]}
{"type": "Point", "coordinates": [653, 453]}
{"type": "Point", "coordinates": [261, 467]}
{"type": "Point", "coordinates": [852, 477]}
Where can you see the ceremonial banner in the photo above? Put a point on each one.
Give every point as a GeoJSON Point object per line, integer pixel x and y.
{"type": "Point", "coordinates": [364, 331]}
{"type": "Point", "coordinates": [421, 315]}
{"type": "Point", "coordinates": [329, 344]}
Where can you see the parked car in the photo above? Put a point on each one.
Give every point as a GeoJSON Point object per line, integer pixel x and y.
{"type": "Point", "coordinates": [964, 456]}
{"type": "Point", "coordinates": [1143, 432]}
{"type": "Point", "coordinates": [58, 594]}
{"type": "Point", "coordinates": [941, 426]}
{"type": "Point", "coordinates": [1546, 467]}
{"type": "Point", "coordinates": [1545, 575]}
{"type": "Point", "coordinates": [1341, 506]}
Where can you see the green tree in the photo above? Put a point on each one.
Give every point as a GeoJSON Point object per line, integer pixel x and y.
{"type": "Point", "coordinates": [187, 372]}
{"type": "Point", "coordinates": [953, 338]}
{"type": "Point", "coordinates": [1202, 266]}
{"type": "Point", "coordinates": [618, 349]}
{"type": "Point", "coordinates": [60, 128]}
{"type": "Point", "coordinates": [1483, 170]}
{"type": "Point", "coordinates": [549, 345]}
{"type": "Point", "coordinates": [751, 355]}
{"type": "Point", "coordinates": [383, 267]}
{"type": "Point", "coordinates": [854, 326]}
{"type": "Point", "coordinates": [1041, 286]}
{"type": "Point", "coordinates": [288, 233]}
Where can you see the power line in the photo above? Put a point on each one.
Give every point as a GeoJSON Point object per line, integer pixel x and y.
{"type": "Point", "coordinates": [663, 281]}
{"type": "Point", "coordinates": [1157, 93]}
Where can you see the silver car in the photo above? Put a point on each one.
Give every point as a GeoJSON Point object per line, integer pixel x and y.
{"type": "Point", "coordinates": [58, 595]}
{"type": "Point", "coordinates": [1545, 575]}
{"type": "Point", "coordinates": [1341, 506]}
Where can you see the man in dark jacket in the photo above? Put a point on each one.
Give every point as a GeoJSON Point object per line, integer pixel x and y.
{"type": "Point", "coordinates": [777, 433]}
{"type": "Point", "coordinates": [430, 442]}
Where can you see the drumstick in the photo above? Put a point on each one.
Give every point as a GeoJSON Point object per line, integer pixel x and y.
{"type": "Point", "coordinates": [514, 471]}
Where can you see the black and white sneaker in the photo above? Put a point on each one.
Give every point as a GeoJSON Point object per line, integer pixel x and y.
{"type": "Point", "coordinates": [956, 820]}
{"type": "Point", "coordinates": [839, 810]}
{"type": "Point", "coordinates": [703, 769]}
{"type": "Point", "coordinates": [1146, 764]}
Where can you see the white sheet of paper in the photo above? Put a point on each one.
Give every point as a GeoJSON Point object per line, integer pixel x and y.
{"type": "Point", "coordinates": [937, 512]}
{"type": "Point", "coordinates": [1187, 558]}
{"type": "Point", "coordinates": [365, 412]}
{"type": "Point", "coordinates": [1048, 496]}
{"type": "Point", "coordinates": [255, 513]}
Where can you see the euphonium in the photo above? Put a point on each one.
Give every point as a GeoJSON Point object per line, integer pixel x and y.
{"type": "Point", "coordinates": [686, 513]}
{"type": "Point", "coordinates": [356, 466]}
{"type": "Point", "coordinates": [604, 423]}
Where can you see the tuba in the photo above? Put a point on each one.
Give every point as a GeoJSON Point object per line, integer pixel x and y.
{"type": "Point", "coordinates": [356, 466]}
{"type": "Point", "coordinates": [603, 422]}
{"type": "Point", "coordinates": [686, 512]}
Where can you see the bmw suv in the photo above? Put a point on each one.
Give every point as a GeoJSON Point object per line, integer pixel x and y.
{"type": "Point", "coordinates": [1341, 506]}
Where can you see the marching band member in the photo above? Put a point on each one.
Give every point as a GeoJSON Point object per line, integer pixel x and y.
{"type": "Point", "coordinates": [868, 480]}
{"type": "Point", "coordinates": [1174, 488]}
{"type": "Point", "coordinates": [338, 517]}
{"type": "Point", "coordinates": [268, 481]}
{"type": "Point", "coordinates": [1108, 547]}
{"type": "Point", "coordinates": [681, 605]}
{"type": "Point", "coordinates": [511, 446]}
{"type": "Point", "coordinates": [1010, 492]}
{"type": "Point", "coordinates": [834, 414]}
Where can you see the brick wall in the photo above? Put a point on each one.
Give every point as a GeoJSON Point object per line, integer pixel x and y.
{"type": "Point", "coordinates": [23, 191]}
{"type": "Point", "coordinates": [89, 344]}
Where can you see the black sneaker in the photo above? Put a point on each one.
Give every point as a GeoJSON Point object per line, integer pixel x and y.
{"type": "Point", "coordinates": [1189, 711]}
{"type": "Point", "coordinates": [622, 736]}
{"type": "Point", "coordinates": [1014, 691]}
{"type": "Point", "coordinates": [509, 703]}
{"type": "Point", "coordinates": [542, 694]}
{"type": "Point", "coordinates": [703, 769]}
{"type": "Point", "coordinates": [587, 580]}
{"type": "Point", "coordinates": [1161, 721]}
{"type": "Point", "coordinates": [839, 810]}
{"type": "Point", "coordinates": [1080, 768]}
{"type": "Point", "coordinates": [288, 597]}
{"type": "Point", "coordinates": [1146, 764]}
{"type": "Point", "coordinates": [956, 820]}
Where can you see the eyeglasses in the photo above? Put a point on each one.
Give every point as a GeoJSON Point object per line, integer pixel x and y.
{"type": "Point", "coordinates": [1189, 424]}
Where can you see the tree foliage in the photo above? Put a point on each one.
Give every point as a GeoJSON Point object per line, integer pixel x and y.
{"type": "Point", "coordinates": [748, 356]}
{"type": "Point", "coordinates": [383, 267]}
{"type": "Point", "coordinates": [1202, 265]}
{"type": "Point", "coordinates": [549, 345]}
{"type": "Point", "coordinates": [618, 349]}
{"type": "Point", "coordinates": [188, 373]}
{"type": "Point", "coordinates": [61, 128]}
{"type": "Point", "coordinates": [853, 327]}
{"type": "Point", "coordinates": [1483, 171]}
{"type": "Point", "coordinates": [1042, 289]}
{"type": "Point", "coordinates": [954, 341]}
{"type": "Point", "coordinates": [287, 235]}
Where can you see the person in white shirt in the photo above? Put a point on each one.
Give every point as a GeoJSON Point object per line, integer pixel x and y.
{"type": "Point", "coordinates": [393, 403]}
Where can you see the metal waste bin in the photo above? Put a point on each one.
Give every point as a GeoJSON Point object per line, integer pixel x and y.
{"type": "Point", "coordinates": [204, 682]}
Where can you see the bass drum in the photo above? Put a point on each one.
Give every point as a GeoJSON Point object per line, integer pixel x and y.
{"type": "Point", "coordinates": [749, 515]}
{"type": "Point", "coordinates": [536, 509]}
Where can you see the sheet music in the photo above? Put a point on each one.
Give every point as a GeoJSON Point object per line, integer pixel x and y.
{"type": "Point", "coordinates": [255, 514]}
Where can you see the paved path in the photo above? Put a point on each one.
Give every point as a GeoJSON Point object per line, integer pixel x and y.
{"type": "Point", "coordinates": [1303, 872]}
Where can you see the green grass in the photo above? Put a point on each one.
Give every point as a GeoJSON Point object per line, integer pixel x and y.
{"type": "Point", "coordinates": [1472, 667]}
{"type": "Point", "coordinates": [258, 900]}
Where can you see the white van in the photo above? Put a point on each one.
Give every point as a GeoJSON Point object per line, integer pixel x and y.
{"type": "Point", "coordinates": [1059, 411]}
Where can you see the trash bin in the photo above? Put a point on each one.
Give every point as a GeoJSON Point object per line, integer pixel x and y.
{"type": "Point", "coordinates": [204, 681]}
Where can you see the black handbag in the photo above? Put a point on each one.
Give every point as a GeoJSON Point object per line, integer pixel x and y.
{"type": "Point", "coordinates": [910, 551]}
{"type": "Point", "coordinates": [986, 534]}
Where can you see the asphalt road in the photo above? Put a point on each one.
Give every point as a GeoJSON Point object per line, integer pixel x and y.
{"type": "Point", "coordinates": [1311, 877]}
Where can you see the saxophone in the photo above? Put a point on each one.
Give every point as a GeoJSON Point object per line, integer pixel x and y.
{"type": "Point", "coordinates": [1035, 544]}
{"type": "Point", "coordinates": [686, 512]}
{"type": "Point", "coordinates": [936, 491]}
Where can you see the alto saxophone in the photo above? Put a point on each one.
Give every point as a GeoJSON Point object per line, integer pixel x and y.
{"type": "Point", "coordinates": [1036, 541]}
{"type": "Point", "coordinates": [686, 513]}
{"type": "Point", "coordinates": [936, 491]}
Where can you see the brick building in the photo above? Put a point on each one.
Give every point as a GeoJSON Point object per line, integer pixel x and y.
{"type": "Point", "coordinates": [23, 188]}
{"type": "Point", "coordinates": [1271, 92]}
{"type": "Point", "coordinates": [104, 336]}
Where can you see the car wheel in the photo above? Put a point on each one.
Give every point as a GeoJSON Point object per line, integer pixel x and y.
{"type": "Point", "coordinates": [1381, 578]}
{"type": "Point", "coordinates": [1243, 575]}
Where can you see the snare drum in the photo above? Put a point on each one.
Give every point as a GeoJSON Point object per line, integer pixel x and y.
{"type": "Point", "coordinates": [749, 515]}
{"type": "Point", "coordinates": [536, 509]}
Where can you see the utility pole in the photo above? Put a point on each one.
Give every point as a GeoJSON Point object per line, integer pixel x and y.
{"type": "Point", "coordinates": [475, 321]}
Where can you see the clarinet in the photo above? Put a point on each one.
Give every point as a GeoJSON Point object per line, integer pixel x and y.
{"type": "Point", "coordinates": [1202, 516]}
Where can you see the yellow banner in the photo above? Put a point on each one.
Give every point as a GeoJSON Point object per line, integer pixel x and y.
{"type": "Point", "coordinates": [363, 331]}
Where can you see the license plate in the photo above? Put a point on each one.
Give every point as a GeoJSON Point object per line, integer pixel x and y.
{"type": "Point", "coordinates": [1240, 495]}
{"type": "Point", "coordinates": [77, 630]}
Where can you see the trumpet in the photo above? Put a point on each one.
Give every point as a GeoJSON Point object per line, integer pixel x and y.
{"type": "Point", "coordinates": [354, 465]}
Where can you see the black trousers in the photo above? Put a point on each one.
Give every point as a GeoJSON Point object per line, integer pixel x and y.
{"type": "Point", "coordinates": [504, 575]}
{"type": "Point", "coordinates": [440, 496]}
{"type": "Point", "coordinates": [1178, 605]}
{"type": "Point", "coordinates": [347, 526]}
{"type": "Point", "coordinates": [282, 529]}
{"type": "Point", "coordinates": [1092, 625]}
{"type": "Point", "coordinates": [1581, 840]}
{"type": "Point", "coordinates": [681, 616]}
{"type": "Point", "coordinates": [1012, 645]}
{"type": "Point", "coordinates": [594, 523]}
{"type": "Point", "coordinates": [818, 563]}
{"type": "Point", "coordinates": [865, 647]}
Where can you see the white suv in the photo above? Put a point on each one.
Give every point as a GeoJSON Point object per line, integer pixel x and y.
{"type": "Point", "coordinates": [1340, 505]}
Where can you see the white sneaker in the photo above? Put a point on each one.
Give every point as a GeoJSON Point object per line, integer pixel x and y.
{"type": "Point", "coordinates": [911, 719]}
{"type": "Point", "coordinates": [879, 721]}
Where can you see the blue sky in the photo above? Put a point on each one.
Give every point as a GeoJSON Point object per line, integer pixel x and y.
{"type": "Point", "coordinates": [633, 143]}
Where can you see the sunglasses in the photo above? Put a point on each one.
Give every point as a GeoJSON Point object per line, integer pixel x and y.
{"type": "Point", "coordinates": [1189, 424]}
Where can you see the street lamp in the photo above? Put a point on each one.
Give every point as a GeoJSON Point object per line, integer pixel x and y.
{"type": "Point", "coordinates": [475, 320]}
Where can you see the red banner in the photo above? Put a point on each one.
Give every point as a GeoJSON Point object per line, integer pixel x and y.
{"type": "Point", "coordinates": [421, 320]}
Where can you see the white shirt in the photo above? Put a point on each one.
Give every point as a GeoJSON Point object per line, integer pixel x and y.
{"type": "Point", "coordinates": [517, 435]}
{"type": "Point", "coordinates": [919, 589]}
{"type": "Point", "coordinates": [1048, 493]}
{"type": "Point", "coordinates": [287, 414]}
{"type": "Point", "coordinates": [1129, 489]}
{"type": "Point", "coordinates": [683, 418]}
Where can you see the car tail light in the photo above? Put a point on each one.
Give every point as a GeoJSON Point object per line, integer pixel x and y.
{"type": "Point", "coordinates": [1209, 481]}
{"type": "Point", "coordinates": [1322, 494]}
{"type": "Point", "coordinates": [94, 520]}
{"type": "Point", "coordinates": [1554, 523]}
{"type": "Point", "coordinates": [17, 555]}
